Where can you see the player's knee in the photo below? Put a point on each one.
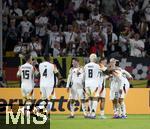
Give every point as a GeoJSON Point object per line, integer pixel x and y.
{"type": "Point", "coordinates": [121, 100]}
{"type": "Point", "coordinates": [103, 100]}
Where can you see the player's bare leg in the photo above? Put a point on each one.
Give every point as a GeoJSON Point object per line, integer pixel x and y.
{"type": "Point", "coordinates": [102, 106]}
{"type": "Point", "coordinates": [72, 102]}
{"type": "Point", "coordinates": [27, 104]}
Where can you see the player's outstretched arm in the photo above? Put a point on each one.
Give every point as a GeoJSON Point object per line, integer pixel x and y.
{"type": "Point", "coordinates": [129, 76]}
{"type": "Point", "coordinates": [19, 72]}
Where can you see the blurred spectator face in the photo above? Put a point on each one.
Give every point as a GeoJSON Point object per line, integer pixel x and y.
{"type": "Point", "coordinates": [12, 22]}
{"type": "Point", "coordinates": [33, 39]}
{"type": "Point", "coordinates": [44, 13]}
{"type": "Point", "coordinates": [55, 28]}
{"type": "Point", "coordinates": [24, 18]}
{"type": "Point", "coordinates": [15, 5]}
{"type": "Point", "coordinates": [70, 28]}
{"type": "Point", "coordinates": [109, 29]}
{"type": "Point", "coordinates": [89, 22]}
{"type": "Point", "coordinates": [81, 16]}
{"type": "Point", "coordinates": [126, 28]}
{"type": "Point", "coordinates": [97, 28]}
{"type": "Point", "coordinates": [83, 29]}
{"type": "Point", "coordinates": [29, 5]}
{"type": "Point", "coordinates": [136, 36]}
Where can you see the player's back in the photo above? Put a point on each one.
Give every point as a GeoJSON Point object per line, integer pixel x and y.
{"type": "Point", "coordinates": [26, 72]}
{"type": "Point", "coordinates": [92, 73]}
{"type": "Point", "coordinates": [46, 70]}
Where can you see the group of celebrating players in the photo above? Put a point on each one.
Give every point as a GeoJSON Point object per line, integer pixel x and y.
{"type": "Point", "coordinates": [84, 83]}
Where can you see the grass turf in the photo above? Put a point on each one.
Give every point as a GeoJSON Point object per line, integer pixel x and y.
{"type": "Point", "coordinates": [62, 122]}
{"type": "Point", "coordinates": [132, 122]}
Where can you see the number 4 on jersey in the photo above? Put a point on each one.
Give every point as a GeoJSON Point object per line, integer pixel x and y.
{"type": "Point", "coordinates": [45, 73]}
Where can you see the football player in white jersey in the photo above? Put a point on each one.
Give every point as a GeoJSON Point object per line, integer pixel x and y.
{"type": "Point", "coordinates": [115, 84]}
{"type": "Point", "coordinates": [103, 68]}
{"type": "Point", "coordinates": [75, 86]}
{"type": "Point", "coordinates": [26, 72]}
{"type": "Point", "coordinates": [92, 74]}
{"type": "Point", "coordinates": [47, 71]}
{"type": "Point", "coordinates": [123, 78]}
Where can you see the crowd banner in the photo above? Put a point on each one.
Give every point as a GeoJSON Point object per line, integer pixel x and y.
{"type": "Point", "coordinates": [137, 100]}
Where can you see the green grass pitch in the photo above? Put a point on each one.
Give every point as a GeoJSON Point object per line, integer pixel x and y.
{"type": "Point", "coordinates": [62, 122]}
{"type": "Point", "coordinates": [132, 122]}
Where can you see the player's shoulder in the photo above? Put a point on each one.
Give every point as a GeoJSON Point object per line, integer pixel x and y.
{"type": "Point", "coordinates": [45, 63]}
{"type": "Point", "coordinates": [71, 69]}
{"type": "Point", "coordinates": [27, 64]}
{"type": "Point", "coordinates": [87, 64]}
{"type": "Point", "coordinates": [81, 67]}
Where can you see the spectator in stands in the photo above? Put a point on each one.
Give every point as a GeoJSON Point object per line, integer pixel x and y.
{"type": "Point", "coordinates": [95, 15]}
{"type": "Point", "coordinates": [109, 7]}
{"type": "Point", "coordinates": [12, 36]}
{"type": "Point", "coordinates": [70, 39]}
{"type": "Point", "coordinates": [35, 47]}
{"type": "Point", "coordinates": [53, 34]}
{"type": "Point", "coordinates": [146, 9]}
{"type": "Point", "coordinates": [123, 40]}
{"type": "Point", "coordinates": [136, 46]}
{"type": "Point", "coordinates": [112, 41]}
{"type": "Point", "coordinates": [25, 26]}
{"type": "Point", "coordinates": [81, 20]}
{"type": "Point", "coordinates": [108, 15]}
{"type": "Point", "coordinates": [16, 12]}
{"type": "Point", "coordinates": [30, 12]}
{"type": "Point", "coordinates": [41, 23]}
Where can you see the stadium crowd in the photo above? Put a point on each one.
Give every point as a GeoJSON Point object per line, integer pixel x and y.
{"type": "Point", "coordinates": [109, 28]}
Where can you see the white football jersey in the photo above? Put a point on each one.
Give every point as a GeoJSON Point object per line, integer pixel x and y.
{"type": "Point", "coordinates": [76, 77]}
{"type": "Point", "coordinates": [47, 71]}
{"type": "Point", "coordinates": [26, 72]}
{"type": "Point", "coordinates": [92, 74]}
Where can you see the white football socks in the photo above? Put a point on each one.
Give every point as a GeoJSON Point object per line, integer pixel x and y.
{"type": "Point", "coordinates": [123, 108]}
{"type": "Point", "coordinates": [84, 108]}
{"type": "Point", "coordinates": [72, 109]}
{"type": "Point", "coordinates": [49, 106]}
{"type": "Point", "coordinates": [90, 106]}
{"type": "Point", "coordinates": [102, 112]}
{"type": "Point", "coordinates": [94, 107]}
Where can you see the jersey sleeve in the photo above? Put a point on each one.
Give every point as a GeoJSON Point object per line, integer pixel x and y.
{"type": "Point", "coordinates": [69, 78]}
{"type": "Point", "coordinates": [55, 69]}
{"type": "Point", "coordinates": [35, 71]}
{"type": "Point", "coordinates": [19, 72]}
{"type": "Point", "coordinates": [127, 73]}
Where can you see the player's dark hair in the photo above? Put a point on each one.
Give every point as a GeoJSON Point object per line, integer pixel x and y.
{"type": "Point", "coordinates": [27, 57]}
{"type": "Point", "coordinates": [46, 58]}
{"type": "Point", "coordinates": [102, 59]}
{"type": "Point", "coordinates": [117, 63]}
{"type": "Point", "coordinates": [76, 59]}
